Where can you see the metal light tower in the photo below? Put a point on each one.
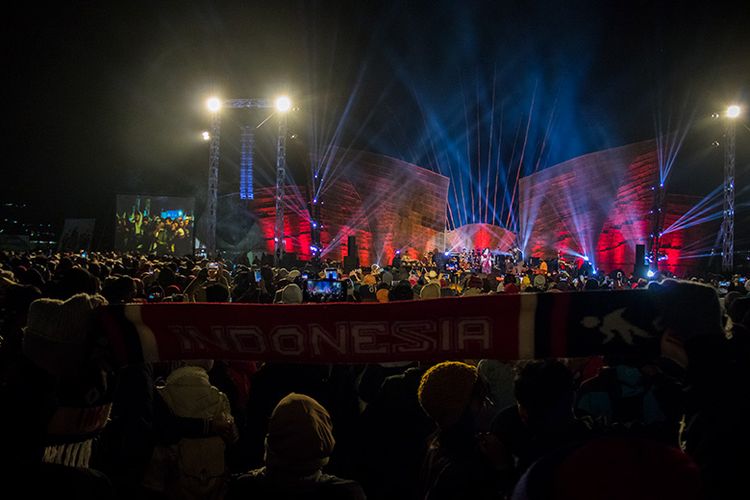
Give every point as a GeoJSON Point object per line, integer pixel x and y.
{"type": "Point", "coordinates": [278, 233]}
{"type": "Point", "coordinates": [282, 105]}
{"type": "Point", "coordinates": [727, 226]}
{"type": "Point", "coordinates": [214, 105]}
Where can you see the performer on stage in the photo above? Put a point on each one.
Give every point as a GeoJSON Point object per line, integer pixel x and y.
{"type": "Point", "coordinates": [517, 254]}
{"type": "Point", "coordinates": [486, 261]}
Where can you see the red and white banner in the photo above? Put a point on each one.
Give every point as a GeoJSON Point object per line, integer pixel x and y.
{"type": "Point", "coordinates": [493, 326]}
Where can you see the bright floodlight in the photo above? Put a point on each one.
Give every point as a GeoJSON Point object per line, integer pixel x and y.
{"type": "Point", "coordinates": [283, 104]}
{"type": "Point", "coordinates": [213, 104]}
{"type": "Point", "coordinates": [733, 111]}
{"type": "Point", "coordinates": [650, 273]}
{"type": "Point", "coordinates": [206, 136]}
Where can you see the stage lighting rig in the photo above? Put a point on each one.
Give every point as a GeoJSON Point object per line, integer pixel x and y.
{"type": "Point", "coordinates": [215, 104]}
{"type": "Point", "coordinates": [283, 104]}
{"type": "Point", "coordinates": [727, 226]}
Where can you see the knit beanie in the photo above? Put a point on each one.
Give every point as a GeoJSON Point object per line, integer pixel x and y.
{"type": "Point", "coordinates": [300, 435]}
{"type": "Point", "coordinates": [291, 294]}
{"type": "Point", "coordinates": [294, 274]}
{"type": "Point", "coordinates": [445, 391]}
{"type": "Point", "coordinates": [430, 291]}
{"type": "Point", "coordinates": [540, 281]}
{"type": "Point", "coordinates": [56, 331]}
{"type": "Point", "coordinates": [382, 295]}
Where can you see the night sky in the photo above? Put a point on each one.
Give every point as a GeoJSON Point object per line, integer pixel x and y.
{"type": "Point", "coordinates": [106, 99]}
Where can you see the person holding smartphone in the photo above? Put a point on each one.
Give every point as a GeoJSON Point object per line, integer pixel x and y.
{"type": "Point", "coordinates": [213, 271]}
{"type": "Point", "coordinates": [209, 275]}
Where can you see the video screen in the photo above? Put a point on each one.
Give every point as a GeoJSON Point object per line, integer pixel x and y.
{"type": "Point", "coordinates": [325, 291]}
{"type": "Point", "coordinates": [155, 224]}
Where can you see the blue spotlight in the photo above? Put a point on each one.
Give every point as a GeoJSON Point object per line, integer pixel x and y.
{"type": "Point", "coordinates": [650, 273]}
{"type": "Point", "coordinates": [585, 257]}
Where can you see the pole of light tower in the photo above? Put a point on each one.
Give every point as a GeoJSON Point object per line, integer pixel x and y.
{"type": "Point", "coordinates": [727, 226]}
{"type": "Point", "coordinates": [283, 104]}
{"type": "Point", "coordinates": [214, 105]}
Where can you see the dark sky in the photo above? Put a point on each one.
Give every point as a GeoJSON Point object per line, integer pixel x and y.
{"type": "Point", "coordinates": [105, 99]}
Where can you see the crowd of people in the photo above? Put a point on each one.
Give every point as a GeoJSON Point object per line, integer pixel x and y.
{"type": "Point", "coordinates": [153, 233]}
{"type": "Point", "coordinates": [659, 425]}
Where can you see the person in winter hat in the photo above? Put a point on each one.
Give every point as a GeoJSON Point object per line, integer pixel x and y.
{"type": "Point", "coordinates": [298, 445]}
{"type": "Point", "coordinates": [57, 332]}
{"type": "Point", "coordinates": [445, 391]}
{"type": "Point", "coordinates": [430, 291]}
{"type": "Point", "coordinates": [58, 397]}
{"type": "Point", "coordinates": [463, 459]}
{"type": "Point", "coordinates": [193, 467]}
{"type": "Point", "coordinates": [291, 294]}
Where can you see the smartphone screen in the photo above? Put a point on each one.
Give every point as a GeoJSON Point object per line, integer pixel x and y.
{"type": "Point", "coordinates": [258, 277]}
{"type": "Point", "coordinates": [325, 291]}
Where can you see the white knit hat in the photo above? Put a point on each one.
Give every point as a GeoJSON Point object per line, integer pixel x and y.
{"type": "Point", "coordinates": [291, 294]}
{"type": "Point", "coordinates": [57, 331]}
{"type": "Point", "coordinates": [60, 321]}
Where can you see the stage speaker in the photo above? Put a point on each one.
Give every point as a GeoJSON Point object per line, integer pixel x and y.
{"type": "Point", "coordinates": [351, 246]}
{"type": "Point", "coordinates": [640, 261]}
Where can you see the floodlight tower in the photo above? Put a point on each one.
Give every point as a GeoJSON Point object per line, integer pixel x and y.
{"type": "Point", "coordinates": [727, 226]}
{"type": "Point", "coordinates": [214, 104]}
{"type": "Point", "coordinates": [283, 104]}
